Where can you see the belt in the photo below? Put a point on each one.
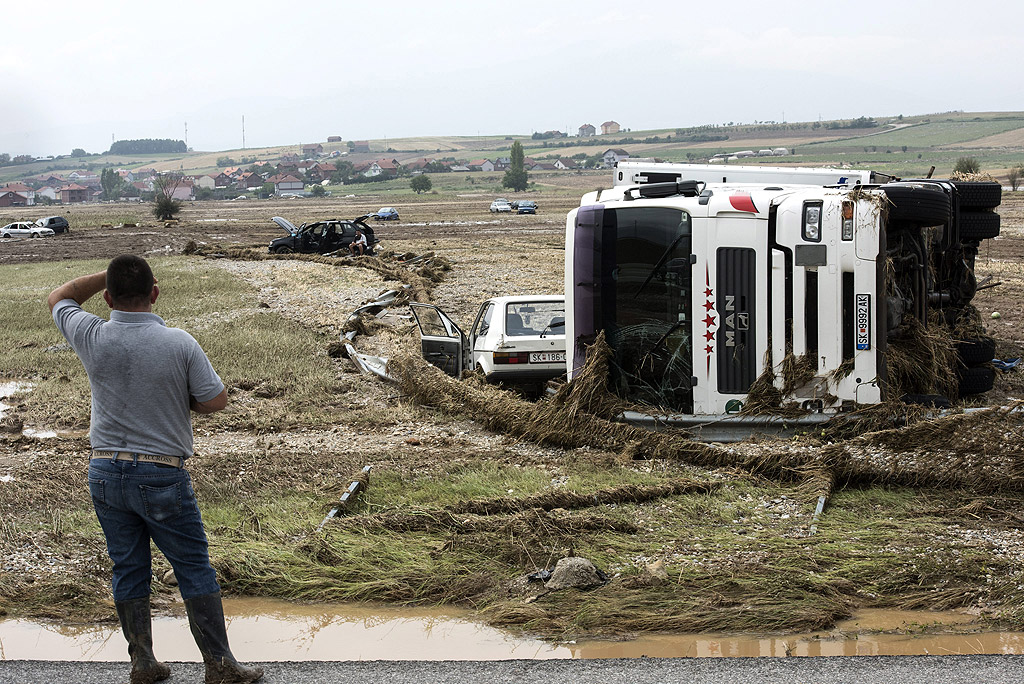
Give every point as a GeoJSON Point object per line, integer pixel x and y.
{"type": "Point", "coordinates": [173, 461]}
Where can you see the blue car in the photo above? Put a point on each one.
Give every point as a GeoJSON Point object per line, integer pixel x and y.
{"type": "Point", "coordinates": [526, 207]}
{"type": "Point", "coordinates": [386, 214]}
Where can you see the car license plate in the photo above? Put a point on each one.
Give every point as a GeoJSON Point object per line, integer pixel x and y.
{"type": "Point", "coordinates": [547, 357]}
{"type": "Point", "coordinates": [863, 321]}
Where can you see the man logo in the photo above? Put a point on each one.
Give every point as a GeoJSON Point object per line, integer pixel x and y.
{"type": "Point", "coordinates": [734, 321]}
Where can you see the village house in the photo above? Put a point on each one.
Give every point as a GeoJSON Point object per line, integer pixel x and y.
{"type": "Point", "coordinates": [20, 188]}
{"type": "Point", "coordinates": [609, 127]}
{"type": "Point", "coordinates": [49, 192]}
{"type": "Point", "coordinates": [206, 182]}
{"type": "Point", "coordinates": [334, 138]}
{"type": "Point", "coordinates": [249, 180]}
{"type": "Point", "coordinates": [143, 186]}
{"type": "Point", "coordinates": [564, 163]}
{"type": "Point", "coordinates": [183, 189]}
{"type": "Point", "coordinates": [126, 175]}
{"type": "Point", "coordinates": [70, 194]}
{"type": "Point", "coordinates": [613, 156]}
{"type": "Point", "coordinates": [481, 165]}
{"type": "Point", "coordinates": [502, 163]}
{"type": "Point", "coordinates": [318, 172]}
{"type": "Point", "coordinates": [587, 130]}
{"type": "Point", "coordinates": [290, 159]}
{"type": "Point", "coordinates": [361, 146]}
{"type": "Point", "coordinates": [312, 150]}
{"type": "Point", "coordinates": [285, 183]}
{"type": "Point", "coordinates": [9, 198]}
{"type": "Point", "coordinates": [543, 166]}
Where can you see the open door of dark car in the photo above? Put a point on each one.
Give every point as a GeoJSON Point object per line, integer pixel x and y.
{"type": "Point", "coordinates": [442, 341]}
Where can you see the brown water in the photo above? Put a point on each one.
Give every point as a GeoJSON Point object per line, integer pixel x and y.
{"type": "Point", "coordinates": [266, 630]}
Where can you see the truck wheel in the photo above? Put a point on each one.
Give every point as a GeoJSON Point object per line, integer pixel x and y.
{"type": "Point", "coordinates": [978, 225]}
{"type": "Point", "coordinates": [979, 194]}
{"type": "Point", "coordinates": [976, 351]}
{"type": "Point", "coordinates": [976, 380]}
{"type": "Point", "coordinates": [282, 250]}
{"type": "Point", "coordinates": [917, 205]}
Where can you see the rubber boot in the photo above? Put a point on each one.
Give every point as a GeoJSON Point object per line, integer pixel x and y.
{"type": "Point", "coordinates": [206, 619]}
{"type": "Point", "coordinates": [138, 631]}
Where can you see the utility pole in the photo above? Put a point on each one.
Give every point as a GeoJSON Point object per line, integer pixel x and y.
{"type": "Point", "coordinates": [186, 135]}
{"type": "Point", "coordinates": [243, 131]}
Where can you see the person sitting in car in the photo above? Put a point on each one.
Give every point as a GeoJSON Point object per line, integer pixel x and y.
{"type": "Point", "coordinates": [358, 246]}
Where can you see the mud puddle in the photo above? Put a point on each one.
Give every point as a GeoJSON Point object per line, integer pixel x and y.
{"type": "Point", "coordinates": [268, 630]}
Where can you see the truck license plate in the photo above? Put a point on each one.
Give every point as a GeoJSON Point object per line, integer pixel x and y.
{"type": "Point", "coordinates": [547, 357]}
{"type": "Point", "coordinates": [863, 321]}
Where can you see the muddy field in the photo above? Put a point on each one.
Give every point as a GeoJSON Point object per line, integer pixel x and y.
{"type": "Point", "coordinates": [721, 542]}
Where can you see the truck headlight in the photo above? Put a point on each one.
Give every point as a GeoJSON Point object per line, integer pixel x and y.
{"type": "Point", "coordinates": [847, 221]}
{"type": "Point", "coordinates": [812, 221]}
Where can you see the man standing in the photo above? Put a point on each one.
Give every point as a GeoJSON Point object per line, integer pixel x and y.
{"type": "Point", "coordinates": [145, 378]}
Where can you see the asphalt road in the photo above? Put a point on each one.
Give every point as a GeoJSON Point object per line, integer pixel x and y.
{"type": "Point", "coordinates": [991, 669]}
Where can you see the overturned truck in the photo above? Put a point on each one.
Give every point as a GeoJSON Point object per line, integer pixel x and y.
{"type": "Point", "coordinates": [710, 282]}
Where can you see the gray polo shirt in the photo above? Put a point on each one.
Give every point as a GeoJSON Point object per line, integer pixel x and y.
{"type": "Point", "coordinates": [142, 374]}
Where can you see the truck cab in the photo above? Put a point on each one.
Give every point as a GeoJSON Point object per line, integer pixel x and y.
{"type": "Point", "coordinates": [704, 285]}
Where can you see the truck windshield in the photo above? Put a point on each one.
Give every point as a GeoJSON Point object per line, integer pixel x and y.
{"type": "Point", "coordinates": [641, 298]}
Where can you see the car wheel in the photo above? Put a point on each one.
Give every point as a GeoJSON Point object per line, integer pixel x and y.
{"type": "Point", "coordinates": [976, 380]}
{"type": "Point", "coordinates": [979, 194]}
{"type": "Point", "coordinates": [978, 225]}
{"type": "Point", "coordinates": [35, 235]}
{"type": "Point", "coordinates": [976, 351]}
{"type": "Point", "coordinates": [283, 250]}
{"type": "Point", "coordinates": [7, 236]}
{"type": "Point", "coordinates": [917, 205]}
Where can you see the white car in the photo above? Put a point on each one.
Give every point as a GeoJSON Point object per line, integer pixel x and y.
{"type": "Point", "coordinates": [501, 206]}
{"type": "Point", "coordinates": [24, 229]}
{"type": "Point", "coordinates": [513, 339]}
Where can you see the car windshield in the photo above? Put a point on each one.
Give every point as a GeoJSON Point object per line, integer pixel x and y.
{"type": "Point", "coordinates": [534, 318]}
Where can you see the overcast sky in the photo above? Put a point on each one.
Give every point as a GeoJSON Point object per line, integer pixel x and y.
{"type": "Point", "coordinates": [77, 73]}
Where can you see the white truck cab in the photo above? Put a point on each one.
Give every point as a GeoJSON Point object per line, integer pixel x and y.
{"type": "Point", "coordinates": [703, 285]}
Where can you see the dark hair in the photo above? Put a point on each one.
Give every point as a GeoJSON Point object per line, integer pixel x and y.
{"type": "Point", "coordinates": [129, 280]}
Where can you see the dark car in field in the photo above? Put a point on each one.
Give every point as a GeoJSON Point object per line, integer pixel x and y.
{"type": "Point", "coordinates": [58, 224]}
{"type": "Point", "coordinates": [386, 214]}
{"type": "Point", "coordinates": [526, 207]}
{"type": "Point", "coordinates": [321, 237]}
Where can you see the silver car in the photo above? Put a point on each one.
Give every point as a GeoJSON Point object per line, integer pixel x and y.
{"type": "Point", "coordinates": [24, 229]}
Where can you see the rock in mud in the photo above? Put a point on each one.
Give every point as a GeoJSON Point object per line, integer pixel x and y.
{"type": "Point", "coordinates": [576, 572]}
{"type": "Point", "coordinates": [169, 579]}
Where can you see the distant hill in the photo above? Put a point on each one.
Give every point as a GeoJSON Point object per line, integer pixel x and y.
{"type": "Point", "coordinates": [904, 145]}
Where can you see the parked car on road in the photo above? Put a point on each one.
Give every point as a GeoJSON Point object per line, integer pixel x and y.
{"type": "Point", "coordinates": [501, 206]}
{"type": "Point", "coordinates": [58, 224]}
{"type": "Point", "coordinates": [526, 207]}
{"type": "Point", "coordinates": [322, 237]}
{"type": "Point", "coordinates": [517, 339]}
{"type": "Point", "coordinates": [386, 214]}
{"type": "Point", "coordinates": [24, 229]}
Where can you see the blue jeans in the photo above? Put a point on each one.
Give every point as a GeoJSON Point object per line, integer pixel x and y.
{"type": "Point", "coordinates": [136, 502]}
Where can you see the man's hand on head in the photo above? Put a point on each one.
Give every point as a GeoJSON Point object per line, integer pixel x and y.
{"type": "Point", "coordinates": [79, 289]}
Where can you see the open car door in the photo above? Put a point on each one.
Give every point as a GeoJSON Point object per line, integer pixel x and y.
{"type": "Point", "coordinates": [443, 343]}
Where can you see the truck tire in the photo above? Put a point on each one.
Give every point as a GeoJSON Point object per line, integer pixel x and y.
{"type": "Point", "coordinates": [917, 205]}
{"type": "Point", "coordinates": [976, 351]}
{"type": "Point", "coordinates": [978, 225]}
{"type": "Point", "coordinates": [977, 380]}
{"type": "Point", "coordinates": [979, 194]}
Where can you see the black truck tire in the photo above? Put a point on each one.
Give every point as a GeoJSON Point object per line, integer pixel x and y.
{"type": "Point", "coordinates": [978, 225]}
{"type": "Point", "coordinates": [977, 380]}
{"type": "Point", "coordinates": [976, 351]}
{"type": "Point", "coordinates": [979, 194]}
{"type": "Point", "coordinates": [917, 205]}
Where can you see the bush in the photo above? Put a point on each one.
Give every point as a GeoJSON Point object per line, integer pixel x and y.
{"type": "Point", "coordinates": [318, 190]}
{"type": "Point", "coordinates": [967, 165]}
{"type": "Point", "coordinates": [166, 208]}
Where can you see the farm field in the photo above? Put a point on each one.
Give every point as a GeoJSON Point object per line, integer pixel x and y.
{"type": "Point", "coordinates": [469, 493]}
